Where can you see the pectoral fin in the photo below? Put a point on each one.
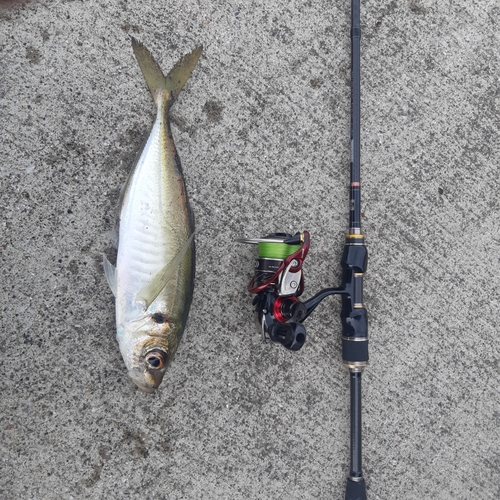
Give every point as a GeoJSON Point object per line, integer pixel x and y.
{"type": "Point", "coordinates": [152, 288]}
{"type": "Point", "coordinates": [110, 273]}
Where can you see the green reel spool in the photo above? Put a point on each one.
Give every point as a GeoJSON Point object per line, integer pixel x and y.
{"type": "Point", "coordinates": [273, 250]}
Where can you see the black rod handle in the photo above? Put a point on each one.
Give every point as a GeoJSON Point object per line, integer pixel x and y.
{"type": "Point", "coordinates": [355, 488]}
{"type": "Point", "coordinates": [356, 471]}
{"type": "Point", "coordinates": [354, 317]}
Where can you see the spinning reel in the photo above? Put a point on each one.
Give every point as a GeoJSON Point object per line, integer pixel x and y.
{"type": "Point", "coordinates": [278, 282]}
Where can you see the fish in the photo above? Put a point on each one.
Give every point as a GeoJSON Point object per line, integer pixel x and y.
{"type": "Point", "coordinates": [153, 279]}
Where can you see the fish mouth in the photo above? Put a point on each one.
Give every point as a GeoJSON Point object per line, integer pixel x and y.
{"type": "Point", "coordinates": [139, 378]}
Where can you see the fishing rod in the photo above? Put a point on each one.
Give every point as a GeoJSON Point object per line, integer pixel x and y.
{"type": "Point", "coordinates": [278, 282]}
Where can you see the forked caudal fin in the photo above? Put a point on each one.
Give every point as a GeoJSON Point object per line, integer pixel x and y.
{"type": "Point", "coordinates": [164, 88]}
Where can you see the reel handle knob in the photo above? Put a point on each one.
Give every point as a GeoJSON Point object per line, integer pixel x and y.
{"type": "Point", "coordinates": [290, 335]}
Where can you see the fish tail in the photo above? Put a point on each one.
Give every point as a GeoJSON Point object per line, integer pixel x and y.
{"type": "Point", "coordinates": [164, 89]}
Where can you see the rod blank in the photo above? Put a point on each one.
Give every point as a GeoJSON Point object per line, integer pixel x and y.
{"type": "Point", "coordinates": [355, 215]}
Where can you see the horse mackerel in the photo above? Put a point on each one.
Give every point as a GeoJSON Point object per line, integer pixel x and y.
{"type": "Point", "coordinates": [154, 275]}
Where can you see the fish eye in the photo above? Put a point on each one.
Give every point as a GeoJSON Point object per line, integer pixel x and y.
{"type": "Point", "coordinates": [156, 359]}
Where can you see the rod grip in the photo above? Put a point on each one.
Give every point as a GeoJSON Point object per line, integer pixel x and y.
{"type": "Point", "coordinates": [354, 316]}
{"type": "Point", "coordinates": [355, 490]}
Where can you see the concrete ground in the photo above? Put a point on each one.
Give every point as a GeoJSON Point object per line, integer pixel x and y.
{"type": "Point", "coordinates": [262, 129]}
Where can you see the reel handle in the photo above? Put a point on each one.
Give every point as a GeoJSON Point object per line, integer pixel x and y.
{"type": "Point", "coordinates": [290, 335]}
{"type": "Point", "coordinates": [279, 319]}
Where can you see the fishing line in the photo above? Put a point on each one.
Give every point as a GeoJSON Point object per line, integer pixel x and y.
{"type": "Point", "coordinates": [276, 250]}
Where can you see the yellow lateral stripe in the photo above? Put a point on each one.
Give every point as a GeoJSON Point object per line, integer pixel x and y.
{"type": "Point", "coordinates": [354, 235]}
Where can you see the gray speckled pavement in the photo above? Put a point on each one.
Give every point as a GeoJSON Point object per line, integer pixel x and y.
{"type": "Point", "coordinates": [262, 129]}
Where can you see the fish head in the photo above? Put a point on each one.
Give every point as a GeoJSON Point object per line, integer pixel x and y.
{"type": "Point", "coordinates": [148, 372]}
{"type": "Point", "coordinates": [148, 353]}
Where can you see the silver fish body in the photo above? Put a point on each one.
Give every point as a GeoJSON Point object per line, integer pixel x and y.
{"type": "Point", "coordinates": [154, 276]}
